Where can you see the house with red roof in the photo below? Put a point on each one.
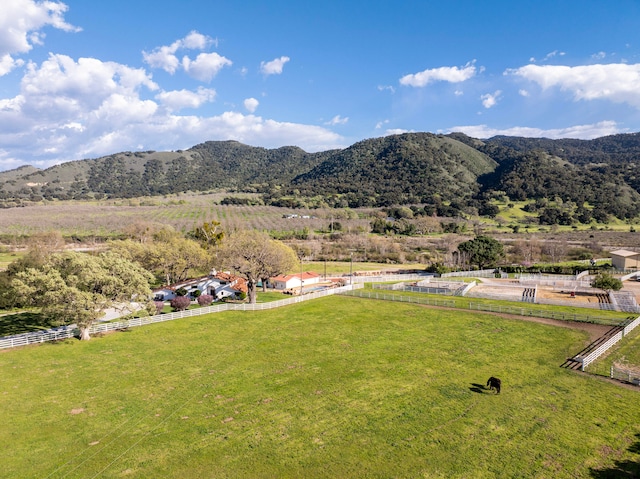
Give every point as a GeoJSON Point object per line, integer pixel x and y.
{"type": "Point", "coordinates": [292, 281]}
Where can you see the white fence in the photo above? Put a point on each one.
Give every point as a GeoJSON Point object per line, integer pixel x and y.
{"type": "Point", "coordinates": [595, 354]}
{"type": "Point", "coordinates": [68, 332]}
{"type": "Point", "coordinates": [626, 375]}
{"type": "Point", "coordinates": [386, 277]}
{"type": "Point", "coordinates": [480, 273]}
{"type": "Point", "coordinates": [403, 299]}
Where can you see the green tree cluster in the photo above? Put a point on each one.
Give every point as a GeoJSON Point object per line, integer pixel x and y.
{"type": "Point", "coordinates": [77, 288]}
{"type": "Point", "coordinates": [482, 250]}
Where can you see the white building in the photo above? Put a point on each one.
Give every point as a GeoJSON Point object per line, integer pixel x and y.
{"type": "Point", "coordinates": [292, 281]}
{"type": "Point", "coordinates": [218, 285]}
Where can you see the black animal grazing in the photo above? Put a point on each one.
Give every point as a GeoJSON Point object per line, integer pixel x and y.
{"type": "Point", "coordinates": [494, 383]}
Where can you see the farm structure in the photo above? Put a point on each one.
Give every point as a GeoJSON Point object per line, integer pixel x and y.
{"type": "Point", "coordinates": [624, 260]}
{"type": "Point", "coordinates": [218, 284]}
{"type": "Point", "coordinates": [289, 281]}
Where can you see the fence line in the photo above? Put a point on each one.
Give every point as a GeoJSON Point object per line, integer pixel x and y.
{"type": "Point", "coordinates": [386, 277]}
{"type": "Point", "coordinates": [631, 326]}
{"type": "Point", "coordinates": [69, 332]}
{"type": "Point", "coordinates": [592, 356]}
{"type": "Point", "coordinates": [403, 299]}
{"type": "Point", "coordinates": [480, 273]}
{"type": "Point", "coordinates": [561, 316]}
{"type": "Point", "coordinates": [626, 375]}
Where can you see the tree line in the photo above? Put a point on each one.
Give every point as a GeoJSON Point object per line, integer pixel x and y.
{"type": "Point", "coordinates": [71, 287]}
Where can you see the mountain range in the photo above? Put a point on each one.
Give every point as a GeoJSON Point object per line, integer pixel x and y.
{"type": "Point", "coordinates": [450, 174]}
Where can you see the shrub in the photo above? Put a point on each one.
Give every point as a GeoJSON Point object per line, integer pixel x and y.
{"type": "Point", "coordinates": [196, 293]}
{"type": "Point", "coordinates": [180, 303]}
{"type": "Point", "coordinates": [205, 299]}
{"type": "Point", "coordinates": [181, 292]}
{"type": "Point", "coordinates": [159, 306]}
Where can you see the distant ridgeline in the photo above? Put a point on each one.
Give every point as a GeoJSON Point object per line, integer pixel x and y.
{"type": "Point", "coordinates": [564, 181]}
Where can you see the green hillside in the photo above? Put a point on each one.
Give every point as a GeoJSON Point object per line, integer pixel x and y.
{"type": "Point", "coordinates": [449, 175]}
{"type": "Point", "coordinates": [400, 169]}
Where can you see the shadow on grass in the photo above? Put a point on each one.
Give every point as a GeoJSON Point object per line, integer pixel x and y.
{"type": "Point", "coordinates": [621, 469]}
{"type": "Point", "coordinates": [25, 322]}
{"type": "Point", "coordinates": [478, 388]}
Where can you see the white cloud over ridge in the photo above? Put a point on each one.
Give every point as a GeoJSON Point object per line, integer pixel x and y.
{"type": "Point", "coordinates": [616, 82]}
{"type": "Point", "coordinates": [68, 110]}
{"type": "Point", "coordinates": [446, 74]}
{"type": "Point", "coordinates": [582, 132]}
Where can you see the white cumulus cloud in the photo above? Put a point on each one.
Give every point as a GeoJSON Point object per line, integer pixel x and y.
{"type": "Point", "coordinates": [204, 67]}
{"type": "Point", "coordinates": [251, 104]}
{"type": "Point", "coordinates": [446, 74]}
{"type": "Point", "coordinates": [274, 67]}
{"type": "Point", "coordinates": [616, 82]}
{"type": "Point", "coordinates": [178, 99]}
{"type": "Point", "coordinates": [21, 22]}
{"type": "Point", "coordinates": [73, 109]}
{"type": "Point", "coordinates": [490, 100]}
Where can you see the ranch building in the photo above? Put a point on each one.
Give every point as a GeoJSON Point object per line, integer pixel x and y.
{"type": "Point", "coordinates": [291, 281]}
{"type": "Point", "coordinates": [218, 284]}
{"type": "Point", "coordinates": [625, 260]}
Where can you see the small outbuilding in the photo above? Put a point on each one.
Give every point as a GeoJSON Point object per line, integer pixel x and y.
{"type": "Point", "coordinates": [622, 259]}
{"type": "Point", "coordinates": [291, 281]}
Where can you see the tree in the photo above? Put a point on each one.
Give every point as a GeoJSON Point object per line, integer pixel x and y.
{"type": "Point", "coordinates": [482, 250]}
{"type": "Point", "coordinates": [169, 256]}
{"type": "Point", "coordinates": [76, 288]}
{"type": "Point", "coordinates": [209, 234]}
{"type": "Point", "coordinates": [254, 256]}
{"type": "Point", "coordinates": [606, 282]}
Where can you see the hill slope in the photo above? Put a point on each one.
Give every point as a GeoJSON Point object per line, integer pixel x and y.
{"type": "Point", "coordinates": [596, 178]}
{"type": "Point", "coordinates": [400, 169]}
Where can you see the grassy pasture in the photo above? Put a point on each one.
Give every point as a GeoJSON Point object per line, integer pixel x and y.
{"type": "Point", "coordinates": [338, 387]}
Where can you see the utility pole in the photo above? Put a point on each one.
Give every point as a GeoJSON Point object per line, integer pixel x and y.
{"type": "Point", "coordinates": [351, 269]}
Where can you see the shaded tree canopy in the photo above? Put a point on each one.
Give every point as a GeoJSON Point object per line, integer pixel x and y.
{"type": "Point", "coordinates": [482, 250]}
{"type": "Point", "coordinates": [76, 288]}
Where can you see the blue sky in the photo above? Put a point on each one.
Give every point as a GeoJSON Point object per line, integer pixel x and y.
{"type": "Point", "coordinates": [82, 79]}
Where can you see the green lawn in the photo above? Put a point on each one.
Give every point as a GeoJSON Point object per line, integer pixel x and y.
{"type": "Point", "coordinates": [7, 257]}
{"type": "Point", "coordinates": [343, 267]}
{"type": "Point", "coordinates": [338, 387]}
